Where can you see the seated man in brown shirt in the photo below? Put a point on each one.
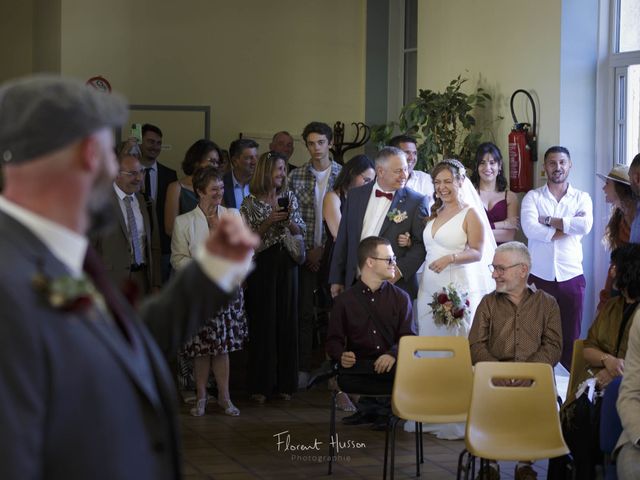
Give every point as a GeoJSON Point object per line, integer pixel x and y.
{"type": "Point", "coordinates": [366, 323]}
{"type": "Point", "coordinates": [515, 323]}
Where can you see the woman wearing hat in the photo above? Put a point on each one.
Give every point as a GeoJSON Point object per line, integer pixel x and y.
{"type": "Point", "coordinates": [617, 192]}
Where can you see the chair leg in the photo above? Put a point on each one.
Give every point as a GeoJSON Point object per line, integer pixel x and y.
{"type": "Point", "coordinates": [417, 435]}
{"type": "Point", "coordinates": [473, 467]}
{"type": "Point", "coordinates": [393, 422]}
{"type": "Point", "coordinates": [419, 424]}
{"type": "Point", "coordinates": [386, 451]}
{"type": "Point", "coordinates": [460, 467]}
{"type": "Point", "coordinates": [332, 431]}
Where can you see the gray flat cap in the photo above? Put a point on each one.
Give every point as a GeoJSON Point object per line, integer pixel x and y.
{"type": "Point", "coordinates": [43, 113]}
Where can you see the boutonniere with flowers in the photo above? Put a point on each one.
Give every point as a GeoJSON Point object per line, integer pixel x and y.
{"type": "Point", "coordinates": [397, 216]}
{"type": "Point", "coordinates": [450, 306]}
{"type": "Point", "coordinates": [67, 293]}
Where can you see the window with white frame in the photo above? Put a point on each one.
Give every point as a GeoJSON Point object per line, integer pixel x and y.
{"type": "Point", "coordinates": [410, 88]}
{"type": "Point", "coordinates": [625, 63]}
{"type": "Point", "coordinates": [402, 77]}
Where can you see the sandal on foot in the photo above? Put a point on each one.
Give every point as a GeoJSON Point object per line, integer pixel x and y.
{"type": "Point", "coordinates": [200, 407]}
{"type": "Point", "coordinates": [229, 408]}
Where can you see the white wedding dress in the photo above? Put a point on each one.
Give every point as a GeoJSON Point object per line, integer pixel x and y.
{"type": "Point", "coordinates": [473, 278]}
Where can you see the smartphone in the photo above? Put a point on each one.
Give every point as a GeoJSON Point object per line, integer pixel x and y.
{"type": "Point", "coordinates": [283, 203]}
{"type": "Point", "coordinates": [136, 131]}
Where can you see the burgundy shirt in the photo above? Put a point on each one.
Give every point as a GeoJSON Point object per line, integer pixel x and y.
{"type": "Point", "coordinates": [351, 328]}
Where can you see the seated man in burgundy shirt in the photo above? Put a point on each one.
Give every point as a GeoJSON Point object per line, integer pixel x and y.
{"type": "Point", "coordinates": [366, 323]}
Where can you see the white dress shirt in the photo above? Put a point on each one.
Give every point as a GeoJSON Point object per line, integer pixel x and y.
{"type": "Point", "coordinates": [375, 214]}
{"type": "Point", "coordinates": [137, 214]}
{"type": "Point", "coordinates": [561, 259]}
{"type": "Point", "coordinates": [70, 248]}
{"type": "Point", "coordinates": [67, 246]}
{"type": "Point", "coordinates": [421, 182]}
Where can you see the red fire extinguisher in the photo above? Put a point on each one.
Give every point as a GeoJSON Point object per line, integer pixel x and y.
{"type": "Point", "coordinates": [522, 150]}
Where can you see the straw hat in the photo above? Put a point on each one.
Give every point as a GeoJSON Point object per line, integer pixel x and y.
{"type": "Point", "coordinates": [619, 173]}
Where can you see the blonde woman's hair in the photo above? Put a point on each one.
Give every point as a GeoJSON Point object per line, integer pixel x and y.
{"type": "Point", "coordinates": [261, 182]}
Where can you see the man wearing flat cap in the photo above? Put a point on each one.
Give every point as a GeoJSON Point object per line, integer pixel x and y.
{"type": "Point", "coordinates": [84, 389]}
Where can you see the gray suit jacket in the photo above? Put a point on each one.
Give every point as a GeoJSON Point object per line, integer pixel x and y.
{"type": "Point", "coordinates": [344, 263]}
{"type": "Point", "coordinates": [114, 246]}
{"type": "Point", "coordinates": [629, 397]}
{"type": "Point", "coordinates": [76, 400]}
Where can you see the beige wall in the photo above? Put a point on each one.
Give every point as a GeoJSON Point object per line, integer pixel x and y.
{"type": "Point", "coordinates": [46, 35]}
{"type": "Point", "coordinates": [500, 45]}
{"type": "Point", "coordinates": [261, 66]}
{"type": "Point", "coordinates": [16, 42]}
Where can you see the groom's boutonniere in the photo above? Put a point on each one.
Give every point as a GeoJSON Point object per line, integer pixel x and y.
{"type": "Point", "coordinates": [66, 293]}
{"type": "Point", "coordinates": [397, 216]}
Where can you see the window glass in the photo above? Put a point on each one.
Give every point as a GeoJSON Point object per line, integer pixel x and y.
{"type": "Point", "coordinates": [410, 76]}
{"type": "Point", "coordinates": [411, 24]}
{"type": "Point", "coordinates": [628, 25]}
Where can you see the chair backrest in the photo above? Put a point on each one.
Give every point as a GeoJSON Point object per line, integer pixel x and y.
{"type": "Point", "coordinates": [514, 422]}
{"type": "Point", "coordinates": [578, 373]}
{"type": "Point", "coordinates": [610, 424]}
{"type": "Point", "coordinates": [428, 389]}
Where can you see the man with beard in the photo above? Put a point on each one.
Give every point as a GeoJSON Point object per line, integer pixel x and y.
{"type": "Point", "coordinates": [417, 180]}
{"type": "Point", "coordinates": [131, 250]}
{"type": "Point", "coordinates": [554, 218]}
{"type": "Point", "coordinates": [515, 323]}
{"type": "Point", "coordinates": [157, 178]}
{"type": "Point", "coordinates": [84, 388]}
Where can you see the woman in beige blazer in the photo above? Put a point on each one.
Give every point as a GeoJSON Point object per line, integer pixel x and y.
{"type": "Point", "coordinates": [227, 330]}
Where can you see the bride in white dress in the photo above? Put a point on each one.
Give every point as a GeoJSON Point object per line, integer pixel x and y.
{"type": "Point", "coordinates": [460, 246]}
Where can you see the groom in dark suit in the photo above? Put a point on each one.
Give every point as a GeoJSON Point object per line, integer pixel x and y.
{"type": "Point", "coordinates": [385, 209]}
{"type": "Point", "coordinates": [85, 391]}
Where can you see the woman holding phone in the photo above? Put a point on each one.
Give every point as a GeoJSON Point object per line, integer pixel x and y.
{"type": "Point", "coordinates": [271, 210]}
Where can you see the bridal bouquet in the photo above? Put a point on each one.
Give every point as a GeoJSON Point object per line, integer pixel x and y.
{"type": "Point", "coordinates": [450, 306]}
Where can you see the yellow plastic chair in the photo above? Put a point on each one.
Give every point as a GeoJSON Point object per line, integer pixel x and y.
{"type": "Point", "coordinates": [512, 422]}
{"type": "Point", "coordinates": [578, 373]}
{"type": "Point", "coordinates": [429, 389]}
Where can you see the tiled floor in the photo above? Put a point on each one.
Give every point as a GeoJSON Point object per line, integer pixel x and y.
{"type": "Point", "coordinates": [220, 447]}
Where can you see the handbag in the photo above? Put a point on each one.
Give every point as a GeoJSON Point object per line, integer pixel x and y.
{"type": "Point", "coordinates": [295, 246]}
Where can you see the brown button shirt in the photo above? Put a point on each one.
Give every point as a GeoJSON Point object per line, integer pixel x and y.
{"type": "Point", "coordinates": [351, 328]}
{"type": "Point", "coordinates": [528, 332]}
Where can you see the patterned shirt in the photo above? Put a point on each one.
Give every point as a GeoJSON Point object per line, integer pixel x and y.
{"type": "Point", "coordinates": [303, 183]}
{"type": "Point", "coordinates": [527, 332]}
{"type": "Point", "coordinates": [255, 212]}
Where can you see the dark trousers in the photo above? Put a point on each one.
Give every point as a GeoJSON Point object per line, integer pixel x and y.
{"type": "Point", "coordinates": [308, 283]}
{"type": "Point", "coordinates": [271, 304]}
{"type": "Point", "coordinates": [569, 295]}
{"type": "Point", "coordinates": [362, 378]}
